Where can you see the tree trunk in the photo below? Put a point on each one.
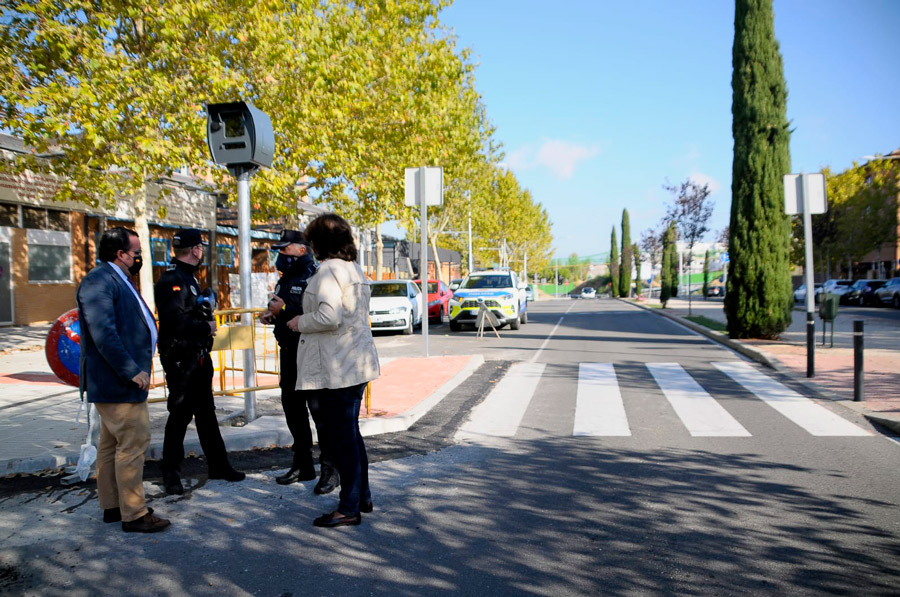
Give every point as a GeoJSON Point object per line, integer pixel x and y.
{"type": "Point", "coordinates": [437, 264]}
{"type": "Point", "coordinates": [142, 227]}
{"type": "Point", "coordinates": [379, 253]}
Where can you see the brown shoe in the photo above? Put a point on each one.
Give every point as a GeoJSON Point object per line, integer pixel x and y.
{"type": "Point", "coordinates": [145, 524]}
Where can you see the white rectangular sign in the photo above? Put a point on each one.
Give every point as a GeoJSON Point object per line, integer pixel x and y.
{"type": "Point", "coordinates": [434, 186]}
{"type": "Point", "coordinates": [815, 191]}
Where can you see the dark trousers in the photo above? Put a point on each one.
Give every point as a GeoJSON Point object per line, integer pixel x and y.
{"type": "Point", "coordinates": [340, 417]}
{"type": "Point", "coordinates": [189, 380]}
{"type": "Point", "coordinates": [293, 402]}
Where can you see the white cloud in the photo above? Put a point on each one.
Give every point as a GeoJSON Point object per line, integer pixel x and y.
{"type": "Point", "coordinates": [703, 179]}
{"type": "Point", "coordinates": [560, 157]}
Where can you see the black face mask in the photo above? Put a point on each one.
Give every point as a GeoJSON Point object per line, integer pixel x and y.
{"type": "Point", "coordinates": [284, 262]}
{"type": "Point", "coordinates": [135, 267]}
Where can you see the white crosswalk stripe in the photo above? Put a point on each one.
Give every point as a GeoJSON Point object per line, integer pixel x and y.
{"type": "Point", "coordinates": [501, 412]}
{"type": "Point", "coordinates": [816, 419]}
{"type": "Point", "coordinates": [600, 407]}
{"type": "Point", "coordinates": [700, 413]}
{"type": "Point", "coordinates": [599, 410]}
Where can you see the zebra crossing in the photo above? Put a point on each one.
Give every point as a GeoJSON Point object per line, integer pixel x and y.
{"type": "Point", "coordinates": [600, 410]}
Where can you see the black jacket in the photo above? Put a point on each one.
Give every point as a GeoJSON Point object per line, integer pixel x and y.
{"type": "Point", "coordinates": [181, 322]}
{"type": "Point", "coordinates": [290, 289]}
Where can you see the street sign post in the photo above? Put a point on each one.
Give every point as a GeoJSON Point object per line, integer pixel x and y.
{"type": "Point", "coordinates": [805, 194]}
{"type": "Point", "coordinates": [423, 187]}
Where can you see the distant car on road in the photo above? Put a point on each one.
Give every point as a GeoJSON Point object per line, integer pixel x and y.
{"type": "Point", "coordinates": [889, 294]}
{"type": "Point", "coordinates": [838, 287]}
{"type": "Point", "coordinates": [395, 305]}
{"type": "Point", "coordinates": [438, 297]}
{"type": "Point", "coordinates": [862, 292]}
{"type": "Point", "coordinates": [588, 292]}
{"type": "Point", "coordinates": [717, 290]}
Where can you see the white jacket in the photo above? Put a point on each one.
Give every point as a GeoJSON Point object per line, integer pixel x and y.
{"type": "Point", "coordinates": [336, 348]}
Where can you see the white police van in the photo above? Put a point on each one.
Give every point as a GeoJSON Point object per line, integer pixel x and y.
{"type": "Point", "coordinates": [501, 293]}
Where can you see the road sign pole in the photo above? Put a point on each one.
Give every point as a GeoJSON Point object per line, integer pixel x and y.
{"type": "Point", "coordinates": [423, 255]}
{"type": "Point", "coordinates": [810, 286]}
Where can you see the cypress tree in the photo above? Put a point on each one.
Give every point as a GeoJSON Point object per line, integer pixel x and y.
{"type": "Point", "coordinates": [758, 297]}
{"type": "Point", "coordinates": [638, 286]}
{"type": "Point", "coordinates": [706, 275]}
{"type": "Point", "coordinates": [669, 271]}
{"type": "Point", "coordinates": [625, 269]}
{"type": "Point", "coordinates": [614, 263]}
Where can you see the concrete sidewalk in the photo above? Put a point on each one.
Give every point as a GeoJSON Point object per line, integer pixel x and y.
{"type": "Point", "coordinates": [833, 366]}
{"type": "Point", "coordinates": [41, 430]}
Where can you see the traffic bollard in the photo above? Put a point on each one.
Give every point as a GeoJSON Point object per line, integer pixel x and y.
{"type": "Point", "coordinates": [857, 360]}
{"type": "Point", "coordinates": [810, 345]}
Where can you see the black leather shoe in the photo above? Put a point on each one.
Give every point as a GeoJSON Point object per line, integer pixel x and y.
{"type": "Point", "coordinates": [296, 474]}
{"type": "Point", "coordinates": [146, 524]}
{"type": "Point", "coordinates": [228, 474]}
{"type": "Point", "coordinates": [329, 481]}
{"type": "Point", "coordinates": [115, 515]}
{"type": "Point", "coordinates": [366, 507]}
{"type": "Point", "coordinates": [336, 519]}
{"type": "Point", "coordinates": [172, 483]}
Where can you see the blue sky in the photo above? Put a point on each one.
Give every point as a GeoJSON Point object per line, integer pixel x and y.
{"type": "Point", "coordinates": [598, 103]}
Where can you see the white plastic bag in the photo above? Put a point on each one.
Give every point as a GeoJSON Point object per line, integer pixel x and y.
{"type": "Point", "coordinates": [85, 461]}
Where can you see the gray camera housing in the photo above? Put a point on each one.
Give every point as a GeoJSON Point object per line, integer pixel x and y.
{"type": "Point", "coordinates": [239, 135]}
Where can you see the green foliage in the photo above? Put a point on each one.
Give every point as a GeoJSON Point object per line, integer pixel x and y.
{"type": "Point", "coordinates": [356, 93]}
{"type": "Point", "coordinates": [861, 216]}
{"type": "Point", "coordinates": [638, 283]}
{"type": "Point", "coordinates": [706, 273]}
{"type": "Point", "coordinates": [669, 273]}
{"type": "Point", "coordinates": [758, 299]}
{"type": "Point", "coordinates": [627, 257]}
{"type": "Point", "coordinates": [614, 264]}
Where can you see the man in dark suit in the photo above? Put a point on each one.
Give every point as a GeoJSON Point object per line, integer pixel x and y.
{"type": "Point", "coordinates": [118, 337]}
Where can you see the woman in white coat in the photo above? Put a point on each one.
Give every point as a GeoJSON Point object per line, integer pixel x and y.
{"type": "Point", "coordinates": [336, 358]}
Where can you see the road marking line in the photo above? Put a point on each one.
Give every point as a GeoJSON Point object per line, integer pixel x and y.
{"type": "Point", "coordinates": [599, 409]}
{"type": "Point", "coordinates": [500, 414]}
{"type": "Point", "coordinates": [816, 419]}
{"type": "Point", "coordinates": [550, 335]}
{"type": "Point", "coordinates": [701, 413]}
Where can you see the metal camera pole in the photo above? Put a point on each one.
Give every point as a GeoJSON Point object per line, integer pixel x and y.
{"type": "Point", "coordinates": [242, 174]}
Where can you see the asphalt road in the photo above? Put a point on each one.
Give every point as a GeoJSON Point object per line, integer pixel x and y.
{"type": "Point", "coordinates": [533, 477]}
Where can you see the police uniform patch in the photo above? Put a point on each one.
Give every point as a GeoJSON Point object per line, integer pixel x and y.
{"type": "Point", "coordinates": [176, 289]}
{"type": "Point", "coordinates": [193, 291]}
{"type": "Point", "coordinates": [277, 288]}
{"type": "Point", "coordinates": [296, 290]}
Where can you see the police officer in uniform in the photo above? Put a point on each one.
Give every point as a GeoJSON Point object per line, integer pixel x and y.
{"type": "Point", "coordinates": [296, 264]}
{"type": "Point", "coordinates": [186, 330]}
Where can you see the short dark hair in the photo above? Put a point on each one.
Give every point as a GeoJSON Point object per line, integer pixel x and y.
{"type": "Point", "coordinates": [331, 237]}
{"type": "Point", "coordinates": [114, 240]}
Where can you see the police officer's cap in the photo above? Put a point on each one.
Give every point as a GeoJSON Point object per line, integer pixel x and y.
{"type": "Point", "coordinates": [289, 237]}
{"type": "Point", "coordinates": [190, 237]}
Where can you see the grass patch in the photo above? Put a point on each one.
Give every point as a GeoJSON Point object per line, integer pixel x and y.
{"type": "Point", "coordinates": [706, 322]}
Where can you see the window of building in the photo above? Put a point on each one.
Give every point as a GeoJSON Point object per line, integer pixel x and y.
{"type": "Point", "coordinates": [49, 256]}
{"type": "Point", "coordinates": [58, 220]}
{"type": "Point", "coordinates": [37, 218]}
{"type": "Point", "coordinates": [9, 215]}
{"type": "Point", "coordinates": [159, 250]}
{"type": "Point", "coordinates": [225, 255]}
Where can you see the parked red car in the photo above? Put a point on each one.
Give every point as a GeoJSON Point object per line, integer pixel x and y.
{"type": "Point", "coordinates": [438, 296]}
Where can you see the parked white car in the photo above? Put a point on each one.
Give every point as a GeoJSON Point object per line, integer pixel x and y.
{"type": "Point", "coordinates": [396, 305]}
